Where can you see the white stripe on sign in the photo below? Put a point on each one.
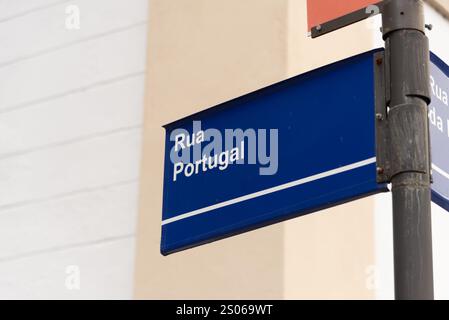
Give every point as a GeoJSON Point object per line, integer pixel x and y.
{"type": "Point", "coordinates": [440, 171]}
{"type": "Point", "coordinates": [271, 190]}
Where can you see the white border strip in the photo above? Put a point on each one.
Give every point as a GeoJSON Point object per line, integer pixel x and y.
{"type": "Point", "coordinates": [444, 174]}
{"type": "Point", "coordinates": [440, 171]}
{"type": "Point", "coordinates": [271, 190]}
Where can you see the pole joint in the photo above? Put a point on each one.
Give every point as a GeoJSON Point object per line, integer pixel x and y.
{"type": "Point", "coordinates": [401, 15]}
{"type": "Point", "coordinates": [403, 79]}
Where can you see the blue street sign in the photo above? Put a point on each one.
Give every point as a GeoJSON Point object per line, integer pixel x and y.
{"type": "Point", "coordinates": [292, 148]}
{"type": "Point", "coordinates": [439, 130]}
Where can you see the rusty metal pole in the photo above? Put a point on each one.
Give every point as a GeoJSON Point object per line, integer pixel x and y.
{"type": "Point", "coordinates": [407, 56]}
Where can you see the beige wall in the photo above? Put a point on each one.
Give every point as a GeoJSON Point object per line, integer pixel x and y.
{"type": "Point", "coordinates": [442, 6]}
{"type": "Point", "coordinates": [203, 52]}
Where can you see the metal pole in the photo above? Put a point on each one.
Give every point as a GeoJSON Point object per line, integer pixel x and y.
{"type": "Point", "coordinates": [408, 95]}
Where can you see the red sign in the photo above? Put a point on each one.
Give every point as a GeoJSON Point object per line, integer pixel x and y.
{"type": "Point", "coordinates": [321, 11]}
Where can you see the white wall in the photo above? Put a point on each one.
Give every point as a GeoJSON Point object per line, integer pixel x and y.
{"type": "Point", "coordinates": [440, 218]}
{"type": "Point", "coordinates": [71, 105]}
